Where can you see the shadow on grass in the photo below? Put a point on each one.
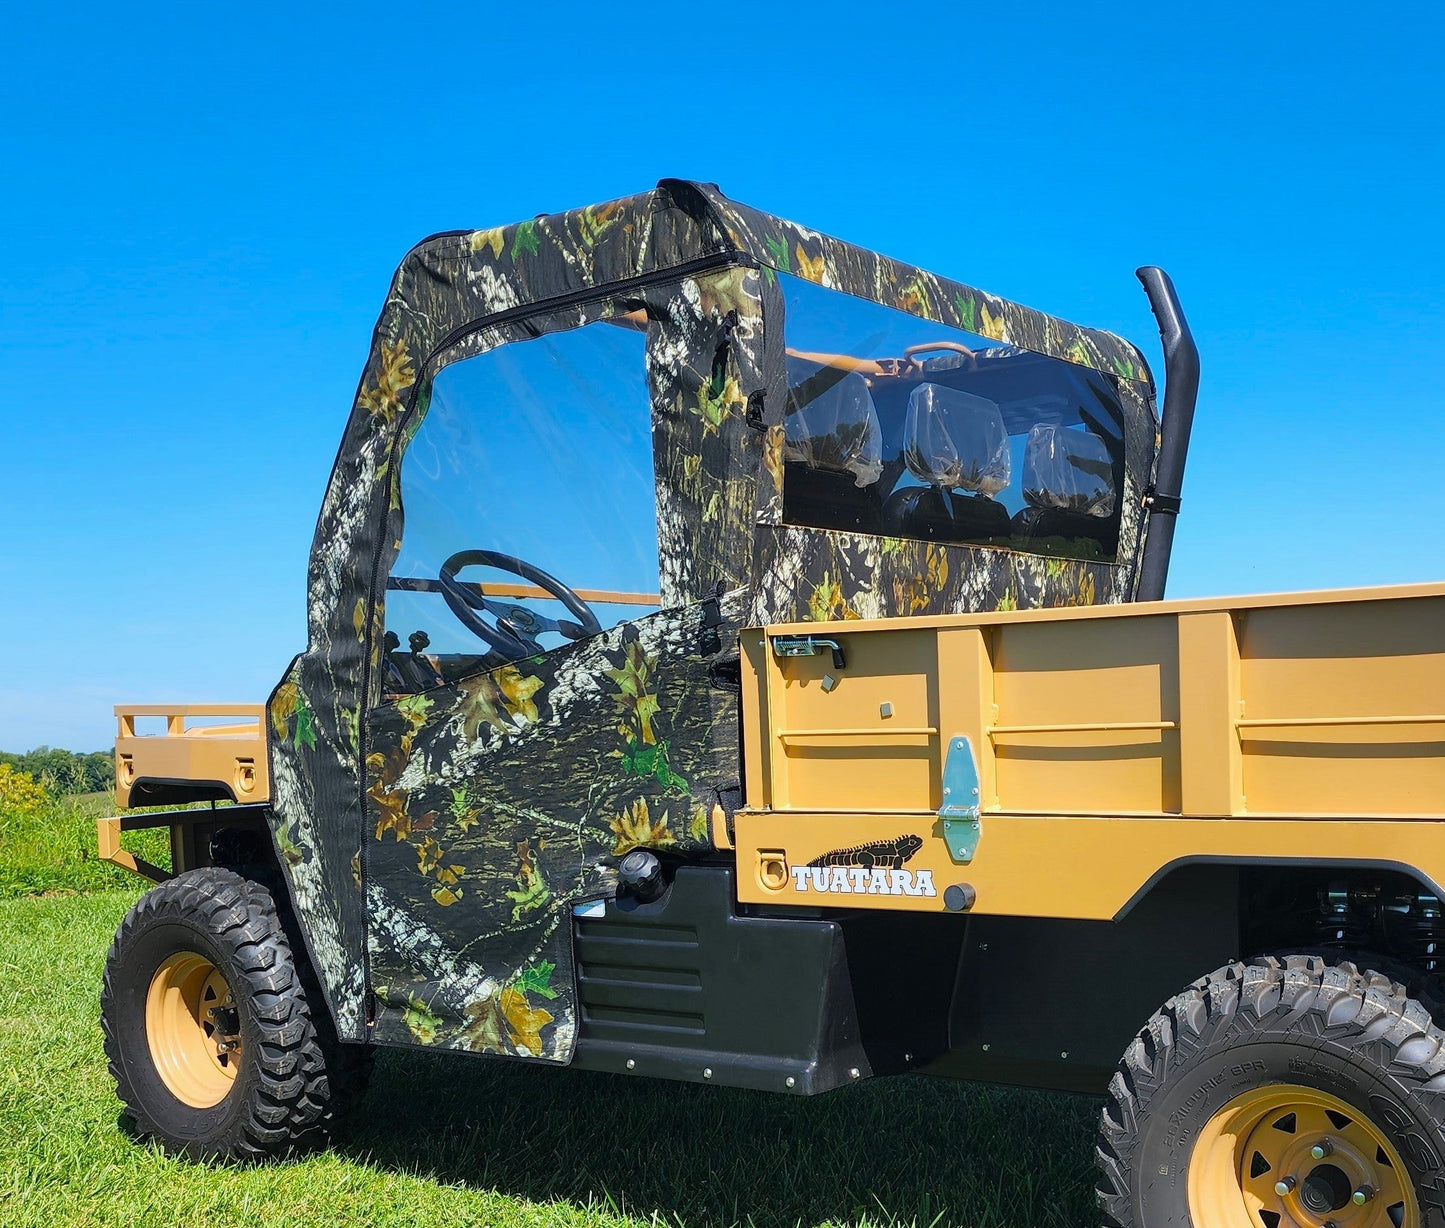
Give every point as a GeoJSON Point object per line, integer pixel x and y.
{"type": "Point", "coordinates": [894, 1151]}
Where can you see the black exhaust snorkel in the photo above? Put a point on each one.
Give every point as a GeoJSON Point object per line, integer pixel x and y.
{"type": "Point", "coordinates": [1181, 388]}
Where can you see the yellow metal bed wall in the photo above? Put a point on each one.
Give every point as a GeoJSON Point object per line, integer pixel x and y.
{"type": "Point", "coordinates": [1317, 706]}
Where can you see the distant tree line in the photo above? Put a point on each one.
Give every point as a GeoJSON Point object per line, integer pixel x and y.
{"type": "Point", "coordinates": [65, 771]}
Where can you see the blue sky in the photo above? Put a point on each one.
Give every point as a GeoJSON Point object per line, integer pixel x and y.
{"type": "Point", "coordinates": [202, 212]}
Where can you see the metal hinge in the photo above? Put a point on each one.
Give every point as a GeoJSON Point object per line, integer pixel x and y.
{"type": "Point", "coordinates": [960, 810]}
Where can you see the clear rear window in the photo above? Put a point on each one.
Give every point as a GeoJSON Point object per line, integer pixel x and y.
{"type": "Point", "coordinates": [901, 427]}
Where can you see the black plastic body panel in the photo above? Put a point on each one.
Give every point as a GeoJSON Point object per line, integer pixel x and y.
{"type": "Point", "coordinates": [1054, 1003]}
{"type": "Point", "coordinates": [685, 988]}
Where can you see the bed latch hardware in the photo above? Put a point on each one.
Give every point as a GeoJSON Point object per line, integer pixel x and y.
{"type": "Point", "coordinates": [808, 646]}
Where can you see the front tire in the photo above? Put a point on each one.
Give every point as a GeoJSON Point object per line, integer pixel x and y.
{"type": "Point", "coordinates": [217, 1050]}
{"type": "Point", "coordinates": [1281, 1093]}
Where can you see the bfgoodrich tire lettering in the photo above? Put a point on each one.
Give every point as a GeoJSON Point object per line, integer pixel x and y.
{"type": "Point", "coordinates": [290, 1075]}
{"type": "Point", "coordinates": [1354, 1035]}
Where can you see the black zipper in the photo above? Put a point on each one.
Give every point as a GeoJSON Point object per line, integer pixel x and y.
{"type": "Point", "coordinates": [521, 312]}
{"type": "Point", "coordinates": [562, 301]}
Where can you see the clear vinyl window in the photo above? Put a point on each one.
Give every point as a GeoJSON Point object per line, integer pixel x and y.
{"type": "Point", "coordinates": [529, 506]}
{"type": "Point", "coordinates": [901, 427]}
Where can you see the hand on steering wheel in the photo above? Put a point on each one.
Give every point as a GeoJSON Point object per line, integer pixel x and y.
{"type": "Point", "coordinates": [513, 631]}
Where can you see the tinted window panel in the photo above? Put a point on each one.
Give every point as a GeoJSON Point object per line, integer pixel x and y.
{"type": "Point", "coordinates": [902, 427]}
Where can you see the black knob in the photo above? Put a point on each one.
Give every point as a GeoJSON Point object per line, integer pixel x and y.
{"type": "Point", "coordinates": [959, 897]}
{"type": "Point", "coordinates": [640, 875]}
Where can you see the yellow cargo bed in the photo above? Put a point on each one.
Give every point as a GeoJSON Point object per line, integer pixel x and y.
{"type": "Point", "coordinates": [1109, 744]}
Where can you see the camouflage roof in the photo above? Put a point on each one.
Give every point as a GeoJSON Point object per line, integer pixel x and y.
{"type": "Point", "coordinates": [680, 221]}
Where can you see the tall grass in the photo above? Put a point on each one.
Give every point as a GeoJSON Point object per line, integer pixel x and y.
{"type": "Point", "coordinates": [48, 845]}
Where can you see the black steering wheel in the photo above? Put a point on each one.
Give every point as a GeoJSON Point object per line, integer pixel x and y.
{"type": "Point", "coordinates": [513, 631]}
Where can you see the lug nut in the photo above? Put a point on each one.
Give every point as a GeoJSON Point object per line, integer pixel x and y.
{"type": "Point", "coordinates": [1321, 1149]}
{"type": "Point", "coordinates": [1363, 1195]}
{"type": "Point", "coordinates": [1284, 1185]}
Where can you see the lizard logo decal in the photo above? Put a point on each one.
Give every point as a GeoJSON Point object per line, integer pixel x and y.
{"type": "Point", "coordinates": [875, 868]}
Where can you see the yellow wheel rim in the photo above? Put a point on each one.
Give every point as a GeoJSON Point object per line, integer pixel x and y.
{"type": "Point", "coordinates": [193, 1030]}
{"type": "Point", "coordinates": [1292, 1157]}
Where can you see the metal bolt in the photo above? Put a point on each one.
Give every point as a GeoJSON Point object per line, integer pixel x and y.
{"type": "Point", "coordinates": [790, 1081]}
{"type": "Point", "coordinates": [1064, 1054]}
{"type": "Point", "coordinates": [985, 1048]}
{"type": "Point", "coordinates": [1321, 1149]}
{"type": "Point", "coordinates": [983, 946]}
{"type": "Point", "coordinates": [1284, 1185]}
{"type": "Point", "coordinates": [946, 792]}
{"type": "Point", "coordinates": [908, 1057]}
{"type": "Point", "coordinates": [853, 1072]}
{"type": "Point", "coordinates": [632, 1063]}
{"type": "Point", "coordinates": [707, 1072]}
{"type": "Point", "coordinates": [1363, 1195]}
{"type": "Point", "coordinates": [974, 792]}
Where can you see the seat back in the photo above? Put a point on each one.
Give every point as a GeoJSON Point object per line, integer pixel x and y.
{"type": "Point", "coordinates": [1068, 469]}
{"type": "Point", "coordinates": [952, 441]}
{"type": "Point", "coordinates": [956, 440]}
{"type": "Point", "coordinates": [832, 451]}
{"type": "Point", "coordinates": [1069, 487]}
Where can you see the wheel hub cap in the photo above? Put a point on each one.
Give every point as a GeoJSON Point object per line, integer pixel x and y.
{"type": "Point", "coordinates": [193, 1030]}
{"type": "Point", "coordinates": [1287, 1156]}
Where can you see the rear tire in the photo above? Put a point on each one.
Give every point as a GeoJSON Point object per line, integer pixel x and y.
{"type": "Point", "coordinates": [1277, 1093]}
{"type": "Point", "coordinates": [217, 1049]}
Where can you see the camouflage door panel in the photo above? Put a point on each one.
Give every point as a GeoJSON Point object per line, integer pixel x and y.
{"type": "Point", "coordinates": [497, 803]}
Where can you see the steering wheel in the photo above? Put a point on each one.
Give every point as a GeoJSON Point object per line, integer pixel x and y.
{"type": "Point", "coordinates": [514, 629]}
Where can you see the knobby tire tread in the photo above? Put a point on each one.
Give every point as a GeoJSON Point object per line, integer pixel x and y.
{"type": "Point", "coordinates": [305, 1080]}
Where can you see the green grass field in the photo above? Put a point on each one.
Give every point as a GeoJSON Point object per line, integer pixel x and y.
{"type": "Point", "coordinates": [54, 850]}
{"type": "Point", "coordinates": [466, 1141]}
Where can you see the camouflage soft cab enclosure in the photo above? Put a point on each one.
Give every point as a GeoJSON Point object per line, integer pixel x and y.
{"type": "Point", "coordinates": [437, 843]}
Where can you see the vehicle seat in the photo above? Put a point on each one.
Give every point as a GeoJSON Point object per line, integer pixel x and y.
{"type": "Point", "coordinates": [1068, 487]}
{"type": "Point", "coordinates": [832, 452]}
{"type": "Point", "coordinates": [952, 441]}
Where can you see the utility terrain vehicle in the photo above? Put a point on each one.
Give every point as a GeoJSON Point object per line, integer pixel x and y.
{"type": "Point", "coordinates": [739, 657]}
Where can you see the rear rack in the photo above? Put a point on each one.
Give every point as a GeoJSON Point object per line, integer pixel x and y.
{"type": "Point", "coordinates": [189, 762]}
